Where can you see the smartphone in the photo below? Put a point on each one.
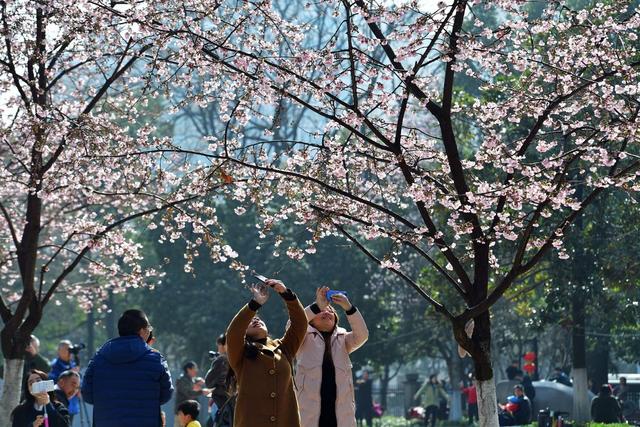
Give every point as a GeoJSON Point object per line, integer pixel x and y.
{"type": "Point", "coordinates": [331, 293]}
{"type": "Point", "coordinates": [261, 278]}
{"type": "Point", "coordinates": [43, 386]}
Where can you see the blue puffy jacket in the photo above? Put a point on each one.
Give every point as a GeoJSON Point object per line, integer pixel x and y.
{"type": "Point", "coordinates": [127, 381]}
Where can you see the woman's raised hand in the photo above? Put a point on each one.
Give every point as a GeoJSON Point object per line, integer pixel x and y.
{"type": "Point", "coordinates": [321, 297]}
{"type": "Point", "coordinates": [277, 285]}
{"type": "Point", "coordinates": [342, 301]}
{"type": "Point", "coordinates": [260, 293]}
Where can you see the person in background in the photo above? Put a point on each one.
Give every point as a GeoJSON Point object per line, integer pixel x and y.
{"type": "Point", "coordinates": [263, 366]}
{"type": "Point", "coordinates": [471, 394]}
{"type": "Point", "coordinates": [364, 399]}
{"type": "Point", "coordinates": [216, 378]}
{"type": "Point", "coordinates": [430, 394]}
{"type": "Point", "coordinates": [64, 361]}
{"type": "Point", "coordinates": [621, 391]}
{"type": "Point", "coordinates": [513, 370]}
{"type": "Point", "coordinates": [527, 384]}
{"type": "Point", "coordinates": [560, 377]}
{"type": "Point", "coordinates": [33, 360]}
{"type": "Point", "coordinates": [30, 412]}
{"type": "Point", "coordinates": [517, 410]}
{"type": "Point", "coordinates": [67, 390]}
{"type": "Point", "coordinates": [606, 408]}
{"type": "Point", "coordinates": [126, 380]}
{"type": "Point", "coordinates": [187, 414]}
{"type": "Point", "coordinates": [189, 386]}
{"type": "Point", "coordinates": [323, 364]}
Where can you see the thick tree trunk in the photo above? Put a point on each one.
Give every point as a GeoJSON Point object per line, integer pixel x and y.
{"type": "Point", "coordinates": [485, 383]}
{"type": "Point", "coordinates": [487, 407]}
{"type": "Point", "coordinates": [579, 272]}
{"type": "Point", "coordinates": [11, 388]}
{"type": "Point", "coordinates": [599, 363]}
{"type": "Point", "coordinates": [581, 403]}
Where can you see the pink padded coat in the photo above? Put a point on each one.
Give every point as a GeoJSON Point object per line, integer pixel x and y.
{"type": "Point", "coordinates": [309, 370]}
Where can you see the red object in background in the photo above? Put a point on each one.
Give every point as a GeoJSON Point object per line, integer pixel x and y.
{"type": "Point", "coordinates": [529, 357]}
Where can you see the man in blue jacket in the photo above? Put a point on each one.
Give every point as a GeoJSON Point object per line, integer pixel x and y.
{"type": "Point", "coordinates": [126, 380]}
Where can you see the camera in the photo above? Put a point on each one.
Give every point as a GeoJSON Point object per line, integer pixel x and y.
{"type": "Point", "coordinates": [42, 386]}
{"type": "Point", "coordinates": [213, 355]}
{"type": "Point", "coordinates": [75, 348]}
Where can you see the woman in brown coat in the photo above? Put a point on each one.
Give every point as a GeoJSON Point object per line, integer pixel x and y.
{"type": "Point", "coordinates": [263, 366]}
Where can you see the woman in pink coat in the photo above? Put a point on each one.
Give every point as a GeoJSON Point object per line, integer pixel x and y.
{"type": "Point", "coordinates": [323, 371]}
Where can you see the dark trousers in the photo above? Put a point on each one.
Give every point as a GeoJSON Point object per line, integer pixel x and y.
{"type": "Point", "coordinates": [430, 415]}
{"type": "Point", "coordinates": [506, 419]}
{"type": "Point", "coordinates": [472, 412]}
{"type": "Point", "coordinates": [364, 411]}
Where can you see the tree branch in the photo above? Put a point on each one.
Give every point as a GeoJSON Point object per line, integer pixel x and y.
{"type": "Point", "coordinates": [438, 306]}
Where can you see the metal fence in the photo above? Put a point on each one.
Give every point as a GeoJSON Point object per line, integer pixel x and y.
{"type": "Point", "coordinates": [395, 400]}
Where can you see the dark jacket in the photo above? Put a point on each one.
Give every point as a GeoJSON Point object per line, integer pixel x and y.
{"type": "Point", "coordinates": [127, 381]}
{"type": "Point", "coordinates": [606, 409]}
{"type": "Point", "coordinates": [217, 379]}
{"type": "Point", "coordinates": [184, 390]}
{"type": "Point", "coordinates": [58, 366]}
{"type": "Point", "coordinates": [523, 414]}
{"type": "Point", "coordinates": [25, 414]}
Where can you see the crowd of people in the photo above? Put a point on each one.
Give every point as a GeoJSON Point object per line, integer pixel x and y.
{"type": "Point", "coordinates": [303, 378]}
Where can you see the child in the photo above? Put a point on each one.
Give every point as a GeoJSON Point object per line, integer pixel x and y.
{"type": "Point", "coordinates": [188, 412]}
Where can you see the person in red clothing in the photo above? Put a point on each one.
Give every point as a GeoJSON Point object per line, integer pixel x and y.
{"type": "Point", "coordinates": [472, 400]}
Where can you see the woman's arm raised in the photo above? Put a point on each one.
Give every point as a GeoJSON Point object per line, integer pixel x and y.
{"type": "Point", "coordinates": [237, 329]}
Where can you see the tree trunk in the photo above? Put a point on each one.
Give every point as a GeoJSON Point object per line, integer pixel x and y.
{"type": "Point", "coordinates": [487, 407]}
{"type": "Point", "coordinates": [11, 388]}
{"type": "Point", "coordinates": [111, 316]}
{"type": "Point", "coordinates": [599, 363]}
{"type": "Point", "coordinates": [384, 386]}
{"type": "Point", "coordinates": [455, 376]}
{"type": "Point", "coordinates": [485, 383]}
{"type": "Point", "coordinates": [581, 403]}
{"type": "Point", "coordinates": [579, 273]}
{"type": "Point", "coordinates": [91, 332]}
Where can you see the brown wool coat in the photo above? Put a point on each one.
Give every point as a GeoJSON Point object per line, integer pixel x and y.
{"type": "Point", "coordinates": [266, 396]}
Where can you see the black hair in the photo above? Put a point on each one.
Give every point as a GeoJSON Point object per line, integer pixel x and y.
{"type": "Point", "coordinates": [131, 322]}
{"type": "Point", "coordinates": [189, 365]}
{"type": "Point", "coordinates": [557, 368]}
{"type": "Point", "coordinates": [189, 407]}
{"type": "Point", "coordinates": [432, 376]}
{"type": "Point", "coordinates": [605, 389]}
{"type": "Point", "coordinates": [222, 339]}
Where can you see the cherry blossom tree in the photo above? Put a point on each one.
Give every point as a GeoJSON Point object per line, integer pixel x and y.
{"type": "Point", "coordinates": [481, 189]}
{"type": "Point", "coordinates": [74, 83]}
